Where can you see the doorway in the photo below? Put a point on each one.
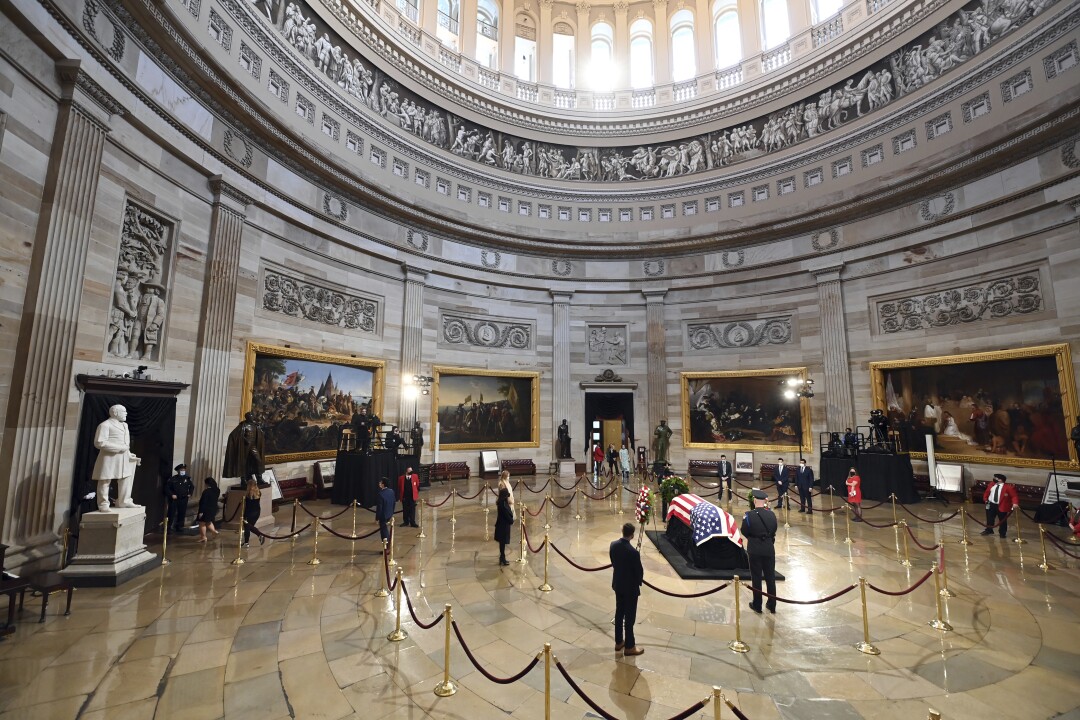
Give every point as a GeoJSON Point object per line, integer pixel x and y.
{"type": "Point", "coordinates": [615, 413]}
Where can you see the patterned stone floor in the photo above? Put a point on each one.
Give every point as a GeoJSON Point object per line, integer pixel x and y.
{"type": "Point", "coordinates": [276, 637]}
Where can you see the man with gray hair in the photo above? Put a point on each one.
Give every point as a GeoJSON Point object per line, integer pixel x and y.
{"type": "Point", "coordinates": [115, 461]}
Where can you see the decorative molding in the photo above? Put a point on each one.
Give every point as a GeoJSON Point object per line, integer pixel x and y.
{"type": "Point", "coordinates": [653, 268]}
{"type": "Point", "coordinates": [220, 188]}
{"type": "Point", "coordinates": [608, 344]}
{"type": "Point", "coordinates": [739, 333]}
{"type": "Point", "coordinates": [608, 376]}
{"type": "Point", "coordinates": [1016, 294]}
{"type": "Point", "coordinates": [825, 240]}
{"type": "Point", "coordinates": [335, 207]}
{"type": "Point", "coordinates": [115, 49]}
{"type": "Point", "coordinates": [490, 259]}
{"type": "Point", "coordinates": [244, 153]}
{"type": "Point", "coordinates": [418, 240]}
{"type": "Point", "coordinates": [319, 302]}
{"type": "Point", "coordinates": [485, 333]}
{"type": "Point", "coordinates": [1068, 154]}
{"type": "Point", "coordinates": [562, 267]}
{"type": "Point", "coordinates": [98, 94]}
{"type": "Point", "coordinates": [1067, 53]}
{"type": "Point", "coordinates": [732, 259]}
{"type": "Point", "coordinates": [937, 207]}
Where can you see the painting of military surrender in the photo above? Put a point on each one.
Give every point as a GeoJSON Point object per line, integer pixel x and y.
{"type": "Point", "coordinates": [481, 409]}
{"type": "Point", "coordinates": [1008, 408]}
{"type": "Point", "coordinates": [742, 409]}
{"type": "Point", "coordinates": [303, 400]}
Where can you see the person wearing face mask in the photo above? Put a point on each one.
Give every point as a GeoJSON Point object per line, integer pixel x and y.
{"type": "Point", "coordinates": [178, 489]}
{"type": "Point", "coordinates": [804, 481]}
{"type": "Point", "coordinates": [780, 477]}
{"type": "Point", "coordinates": [854, 494]}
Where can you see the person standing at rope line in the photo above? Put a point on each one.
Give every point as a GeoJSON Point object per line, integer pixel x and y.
{"type": "Point", "coordinates": [504, 482]}
{"type": "Point", "coordinates": [178, 489]}
{"type": "Point", "coordinates": [723, 476]}
{"type": "Point", "coordinates": [409, 492]}
{"type": "Point", "coordinates": [759, 528]}
{"type": "Point", "coordinates": [780, 477]}
{"type": "Point", "coordinates": [504, 520]}
{"type": "Point", "coordinates": [624, 463]}
{"type": "Point", "coordinates": [854, 493]}
{"type": "Point", "coordinates": [252, 510]}
{"type": "Point", "coordinates": [626, 578]}
{"type": "Point", "coordinates": [384, 509]}
{"type": "Point", "coordinates": [598, 463]}
{"type": "Point", "coordinates": [804, 481]}
{"type": "Point", "coordinates": [1000, 499]}
{"type": "Point", "coordinates": [612, 459]}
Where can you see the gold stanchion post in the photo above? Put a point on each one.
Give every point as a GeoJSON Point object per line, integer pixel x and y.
{"type": "Point", "coordinates": [945, 591]}
{"type": "Point", "coordinates": [522, 559]}
{"type": "Point", "coordinates": [354, 504]}
{"type": "Point", "coordinates": [547, 523]}
{"type": "Point", "coordinates": [393, 562]}
{"type": "Point", "coordinates": [292, 526]}
{"type": "Point", "coordinates": [577, 492]}
{"type": "Point", "coordinates": [383, 591]}
{"type": "Point", "coordinates": [717, 702]}
{"type": "Point", "coordinates": [619, 490]}
{"type": "Point", "coordinates": [447, 687]}
{"type": "Point", "coordinates": [865, 647]}
{"type": "Point", "coordinates": [239, 543]}
{"type": "Point", "coordinates": [547, 681]}
{"type": "Point", "coordinates": [164, 542]}
{"type": "Point", "coordinates": [398, 634]}
{"type": "Point", "coordinates": [737, 645]}
{"type": "Point", "coordinates": [1018, 540]}
{"type": "Point", "coordinates": [486, 502]}
{"type": "Point", "coordinates": [906, 562]}
{"type": "Point", "coordinates": [934, 715]}
{"type": "Point", "coordinates": [453, 506]}
{"type": "Point", "coordinates": [1044, 565]}
{"type": "Point", "coordinates": [315, 546]}
{"type": "Point", "coordinates": [420, 516]}
{"type": "Point", "coordinates": [546, 587]}
{"type": "Point", "coordinates": [963, 523]}
{"type": "Point", "coordinates": [892, 499]}
{"type": "Point", "coordinates": [787, 512]}
{"type": "Point", "coordinates": [847, 525]}
{"type": "Point", "coordinates": [938, 623]}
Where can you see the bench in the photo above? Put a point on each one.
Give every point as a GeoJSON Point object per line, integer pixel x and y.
{"type": "Point", "coordinates": [48, 584]}
{"type": "Point", "coordinates": [702, 468]}
{"type": "Point", "coordinates": [519, 467]}
{"type": "Point", "coordinates": [450, 471]}
{"type": "Point", "coordinates": [1030, 495]}
{"type": "Point", "coordinates": [296, 488]}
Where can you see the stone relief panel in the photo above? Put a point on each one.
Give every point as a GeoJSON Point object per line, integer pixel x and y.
{"type": "Point", "coordinates": [747, 333]}
{"type": "Point", "coordinates": [137, 312]}
{"type": "Point", "coordinates": [1017, 294]}
{"type": "Point", "coordinates": [965, 34]}
{"type": "Point", "coordinates": [463, 330]}
{"type": "Point", "coordinates": [318, 301]}
{"type": "Point", "coordinates": [609, 345]}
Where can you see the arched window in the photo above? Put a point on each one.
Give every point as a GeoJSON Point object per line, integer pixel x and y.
{"type": "Point", "coordinates": [487, 33]}
{"type": "Point", "coordinates": [562, 56]}
{"type": "Point", "coordinates": [726, 37]}
{"type": "Point", "coordinates": [641, 54]}
{"type": "Point", "coordinates": [683, 51]}
{"type": "Point", "coordinates": [601, 65]}
{"type": "Point", "coordinates": [774, 23]}
{"type": "Point", "coordinates": [824, 9]}
{"type": "Point", "coordinates": [447, 30]}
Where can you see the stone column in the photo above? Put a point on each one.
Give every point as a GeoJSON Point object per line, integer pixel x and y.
{"type": "Point", "coordinates": [703, 35]}
{"type": "Point", "coordinates": [210, 391]}
{"type": "Point", "coordinates": [544, 43]}
{"type": "Point", "coordinates": [412, 342]}
{"type": "Point", "coordinates": [656, 357]}
{"type": "Point", "coordinates": [560, 365]}
{"type": "Point", "coordinates": [582, 48]}
{"type": "Point", "coordinates": [467, 18]}
{"type": "Point", "coordinates": [429, 17]}
{"type": "Point", "coordinates": [839, 410]}
{"type": "Point", "coordinates": [799, 16]}
{"type": "Point", "coordinates": [750, 27]}
{"type": "Point", "coordinates": [35, 477]}
{"type": "Point", "coordinates": [507, 36]}
{"type": "Point", "coordinates": [621, 59]}
{"type": "Point", "coordinates": [661, 44]}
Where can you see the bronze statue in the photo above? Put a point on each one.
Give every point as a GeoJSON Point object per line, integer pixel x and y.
{"type": "Point", "coordinates": [661, 442]}
{"type": "Point", "coordinates": [245, 451]}
{"type": "Point", "coordinates": [564, 441]}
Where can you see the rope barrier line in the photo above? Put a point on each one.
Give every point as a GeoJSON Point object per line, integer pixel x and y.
{"type": "Point", "coordinates": [572, 487]}
{"type": "Point", "coordinates": [534, 492]}
{"type": "Point", "coordinates": [493, 678]}
{"type": "Point", "coordinates": [602, 497]}
{"type": "Point", "coordinates": [471, 497]}
{"type": "Point", "coordinates": [926, 520]}
{"type": "Point", "coordinates": [525, 534]}
{"type": "Point", "coordinates": [877, 527]}
{"type": "Point", "coordinates": [899, 593]}
{"type": "Point", "coordinates": [538, 510]}
{"type": "Point", "coordinates": [436, 505]}
{"type": "Point", "coordinates": [1061, 513]}
{"type": "Point", "coordinates": [916, 540]}
{"type": "Point", "coordinates": [684, 595]}
{"type": "Point", "coordinates": [581, 693]}
{"type": "Point", "coordinates": [422, 625]}
{"type": "Point", "coordinates": [1059, 544]}
{"type": "Point", "coordinates": [579, 567]}
{"type": "Point", "coordinates": [260, 533]}
{"type": "Point", "coordinates": [563, 507]}
{"type": "Point", "coordinates": [737, 711]}
{"type": "Point", "coordinates": [989, 527]}
{"type": "Point", "coordinates": [818, 601]}
{"type": "Point", "coordinates": [349, 537]}
{"type": "Point", "coordinates": [325, 517]}
{"type": "Point", "coordinates": [235, 512]}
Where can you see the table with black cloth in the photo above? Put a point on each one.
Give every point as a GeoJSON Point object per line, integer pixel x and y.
{"type": "Point", "coordinates": [882, 474]}
{"type": "Point", "coordinates": [356, 476]}
{"type": "Point", "coordinates": [718, 553]}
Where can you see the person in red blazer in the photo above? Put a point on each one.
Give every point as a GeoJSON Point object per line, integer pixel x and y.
{"type": "Point", "coordinates": [854, 493]}
{"type": "Point", "coordinates": [1000, 499]}
{"type": "Point", "coordinates": [409, 492]}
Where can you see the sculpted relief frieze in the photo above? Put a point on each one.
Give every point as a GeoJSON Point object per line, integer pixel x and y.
{"type": "Point", "coordinates": [318, 302]}
{"type": "Point", "coordinates": [1017, 294]}
{"type": "Point", "coordinates": [608, 344]}
{"type": "Point", "coordinates": [964, 35]}
{"type": "Point", "coordinates": [739, 333]}
{"type": "Point", "coordinates": [459, 330]}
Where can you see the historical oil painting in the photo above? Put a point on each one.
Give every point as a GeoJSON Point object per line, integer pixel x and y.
{"type": "Point", "coordinates": [482, 409]}
{"type": "Point", "coordinates": [743, 409]}
{"type": "Point", "coordinates": [303, 400]}
{"type": "Point", "coordinates": [1014, 407]}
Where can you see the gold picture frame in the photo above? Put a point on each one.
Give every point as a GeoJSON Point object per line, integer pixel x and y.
{"type": "Point", "coordinates": [455, 387]}
{"type": "Point", "coordinates": [1028, 404]}
{"type": "Point", "coordinates": [289, 432]}
{"type": "Point", "coordinates": [761, 387]}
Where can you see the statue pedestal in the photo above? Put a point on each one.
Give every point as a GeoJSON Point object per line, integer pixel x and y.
{"type": "Point", "coordinates": [111, 549]}
{"type": "Point", "coordinates": [567, 468]}
{"type": "Point", "coordinates": [234, 505]}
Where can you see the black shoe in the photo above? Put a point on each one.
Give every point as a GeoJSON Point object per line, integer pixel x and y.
{"type": "Point", "coordinates": [504, 561]}
{"type": "Point", "coordinates": [1003, 536]}
{"type": "Point", "coordinates": [801, 510]}
{"type": "Point", "coordinates": [755, 608]}
{"type": "Point", "coordinates": [987, 531]}
{"type": "Point", "coordinates": [771, 609]}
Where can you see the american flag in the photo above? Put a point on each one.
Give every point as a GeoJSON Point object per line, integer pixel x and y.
{"type": "Point", "coordinates": [705, 519]}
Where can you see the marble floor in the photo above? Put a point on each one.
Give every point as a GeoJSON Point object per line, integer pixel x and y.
{"type": "Point", "coordinates": [277, 637]}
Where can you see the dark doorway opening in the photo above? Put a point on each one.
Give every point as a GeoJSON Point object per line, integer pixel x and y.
{"type": "Point", "coordinates": [609, 406]}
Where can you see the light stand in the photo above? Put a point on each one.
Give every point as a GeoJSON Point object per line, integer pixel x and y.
{"type": "Point", "coordinates": [801, 389]}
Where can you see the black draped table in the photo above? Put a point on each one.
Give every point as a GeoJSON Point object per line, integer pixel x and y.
{"type": "Point", "coordinates": [881, 474]}
{"type": "Point", "coordinates": [718, 553]}
{"type": "Point", "coordinates": [357, 476]}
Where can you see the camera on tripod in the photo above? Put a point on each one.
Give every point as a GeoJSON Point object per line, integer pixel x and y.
{"type": "Point", "coordinates": [879, 428]}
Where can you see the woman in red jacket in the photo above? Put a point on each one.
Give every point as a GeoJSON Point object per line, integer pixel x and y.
{"type": "Point", "coordinates": [854, 493]}
{"type": "Point", "coordinates": [1000, 499]}
{"type": "Point", "coordinates": [598, 462]}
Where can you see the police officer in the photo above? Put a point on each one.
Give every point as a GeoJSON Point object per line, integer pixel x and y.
{"type": "Point", "coordinates": [759, 529]}
{"type": "Point", "coordinates": [178, 489]}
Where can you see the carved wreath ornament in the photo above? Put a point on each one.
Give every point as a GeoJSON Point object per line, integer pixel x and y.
{"type": "Point", "coordinates": [317, 304]}
{"type": "Point", "coordinates": [1018, 295]}
{"type": "Point", "coordinates": [460, 331]}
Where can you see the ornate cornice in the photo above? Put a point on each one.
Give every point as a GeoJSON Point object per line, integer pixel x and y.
{"type": "Point", "coordinates": [221, 188]}
{"type": "Point", "coordinates": [486, 332]}
{"type": "Point", "coordinates": [318, 302]}
{"type": "Point", "coordinates": [714, 334]}
{"type": "Point", "coordinates": [999, 297]}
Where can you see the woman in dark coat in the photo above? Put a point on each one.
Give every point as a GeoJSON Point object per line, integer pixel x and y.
{"type": "Point", "coordinates": [252, 510]}
{"type": "Point", "coordinates": [208, 507]}
{"type": "Point", "coordinates": [504, 519]}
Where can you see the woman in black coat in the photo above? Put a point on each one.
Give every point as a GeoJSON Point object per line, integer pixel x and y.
{"type": "Point", "coordinates": [208, 507]}
{"type": "Point", "coordinates": [504, 519]}
{"type": "Point", "coordinates": [252, 510]}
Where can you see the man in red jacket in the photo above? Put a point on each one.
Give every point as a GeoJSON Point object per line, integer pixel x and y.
{"type": "Point", "coordinates": [409, 492]}
{"type": "Point", "coordinates": [1000, 499]}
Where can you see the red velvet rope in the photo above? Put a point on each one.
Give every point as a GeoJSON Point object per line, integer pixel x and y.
{"type": "Point", "coordinates": [818, 601]}
{"type": "Point", "coordinates": [578, 482]}
{"type": "Point", "coordinates": [927, 520]}
{"type": "Point", "coordinates": [349, 537]}
{"type": "Point", "coordinates": [716, 589]}
{"type": "Point", "coordinates": [472, 497]}
{"type": "Point", "coordinates": [420, 623]}
{"type": "Point", "coordinates": [989, 527]}
{"type": "Point", "coordinates": [567, 502]}
{"type": "Point", "coordinates": [579, 567]}
{"type": "Point", "coordinates": [525, 532]}
{"type": "Point", "coordinates": [260, 533]}
{"type": "Point", "coordinates": [879, 503]}
{"type": "Point", "coordinates": [538, 510]}
{"type": "Point", "coordinates": [326, 517]}
{"type": "Point", "coordinates": [436, 505]}
{"type": "Point", "coordinates": [537, 491]}
{"type": "Point", "coordinates": [1054, 539]}
{"type": "Point", "coordinates": [704, 485]}
{"type": "Point", "coordinates": [608, 716]}
{"type": "Point", "coordinates": [1061, 513]}
{"type": "Point", "coordinates": [602, 497]}
{"type": "Point", "coordinates": [737, 711]}
{"type": "Point", "coordinates": [916, 540]}
{"type": "Point", "coordinates": [878, 527]}
{"type": "Point", "coordinates": [485, 673]}
{"type": "Point", "coordinates": [898, 593]}
{"type": "Point", "coordinates": [235, 512]}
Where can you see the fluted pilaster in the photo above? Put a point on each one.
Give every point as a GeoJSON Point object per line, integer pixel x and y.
{"type": "Point", "coordinates": [412, 340]}
{"type": "Point", "coordinates": [839, 411]}
{"type": "Point", "coordinates": [35, 479]}
{"type": "Point", "coordinates": [210, 399]}
{"type": "Point", "coordinates": [656, 355]}
{"type": "Point", "coordinates": [560, 363]}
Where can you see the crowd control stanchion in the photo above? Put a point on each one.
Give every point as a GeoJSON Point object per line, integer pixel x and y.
{"type": "Point", "coordinates": [315, 545]}
{"type": "Point", "coordinates": [737, 645]}
{"type": "Point", "coordinates": [934, 715]}
{"type": "Point", "coordinates": [165, 543]}
{"type": "Point", "coordinates": [521, 558]}
{"type": "Point", "coordinates": [453, 506]}
{"type": "Point", "coordinates": [892, 499]}
{"type": "Point", "coordinates": [547, 681]}
{"type": "Point", "coordinates": [398, 634]}
{"type": "Point", "coordinates": [717, 702]}
{"type": "Point", "coordinates": [392, 562]}
{"type": "Point", "coordinates": [447, 687]}
{"type": "Point", "coordinates": [963, 523]}
{"type": "Point", "coordinates": [1044, 565]}
{"type": "Point", "coordinates": [546, 587]}
{"type": "Point", "coordinates": [354, 504]}
{"type": "Point", "coordinates": [486, 502]}
{"type": "Point", "coordinates": [292, 525]}
{"type": "Point", "coordinates": [1018, 540]}
{"type": "Point", "coordinates": [906, 562]}
{"type": "Point", "coordinates": [547, 523]}
{"type": "Point", "coordinates": [619, 490]}
{"type": "Point", "coordinates": [865, 647]}
{"type": "Point", "coordinates": [383, 591]}
{"type": "Point", "coordinates": [240, 544]}
{"type": "Point", "coordinates": [578, 493]}
{"type": "Point", "coordinates": [420, 517]}
{"type": "Point", "coordinates": [945, 592]}
{"type": "Point", "coordinates": [847, 525]}
{"type": "Point", "coordinates": [787, 513]}
{"type": "Point", "coordinates": [938, 623]}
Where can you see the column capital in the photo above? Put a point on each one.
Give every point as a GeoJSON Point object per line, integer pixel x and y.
{"type": "Point", "coordinates": [228, 195]}
{"type": "Point", "coordinates": [414, 274]}
{"type": "Point", "coordinates": [583, 8]}
{"type": "Point", "coordinates": [828, 273]}
{"type": "Point", "coordinates": [654, 296]}
{"type": "Point", "coordinates": [621, 7]}
{"type": "Point", "coordinates": [85, 92]}
{"type": "Point", "coordinates": [547, 5]}
{"type": "Point", "coordinates": [561, 296]}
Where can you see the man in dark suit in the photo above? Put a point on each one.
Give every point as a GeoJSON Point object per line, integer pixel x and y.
{"type": "Point", "coordinates": [723, 474]}
{"type": "Point", "coordinates": [384, 509]}
{"type": "Point", "coordinates": [804, 481]}
{"type": "Point", "coordinates": [780, 477]}
{"type": "Point", "coordinates": [759, 529]}
{"type": "Point", "coordinates": [362, 428]}
{"type": "Point", "coordinates": [409, 492]}
{"type": "Point", "coordinates": [178, 489]}
{"type": "Point", "coordinates": [626, 578]}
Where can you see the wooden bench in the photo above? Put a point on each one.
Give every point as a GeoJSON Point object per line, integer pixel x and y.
{"type": "Point", "coordinates": [1030, 495]}
{"type": "Point", "coordinates": [702, 468]}
{"type": "Point", "coordinates": [296, 488]}
{"type": "Point", "coordinates": [47, 584]}
{"type": "Point", "coordinates": [450, 471]}
{"type": "Point", "coordinates": [768, 471]}
{"type": "Point", "coordinates": [519, 467]}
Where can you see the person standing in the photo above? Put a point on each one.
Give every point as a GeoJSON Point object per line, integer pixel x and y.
{"type": "Point", "coordinates": [612, 459]}
{"type": "Point", "coordinates": [723, 476]}
{"type": "Point", "coordinates": [780, 477]}
{"type": "Point", "coordinates": [208, 507]}
{"type": "Point", "coordinates": [504, 482]}
{"type": "Point", "coordinates": [252, 510]}
{"type": "Point", "coordinates": [1000, 499]}
{"type": "Point", "coordinates": [384, 509]}
{"type": "Point", "coordinates": [416, 437]}
{"type": "Point", "coordinates": [409, 492]}
{"type": "Point", "coordinates": [362, 427]}
{"type": "Point", "coordinates": [854, 493]}
{"type": "Point", "coordinates": [178, 489]}
{"type": "Point", "coordinates": [804, 481]}
{"type": "Point", "coordinates": [759, 528]}
{"type": "Point", "coordinates": [624, 463]}
{"type": "Point", "coordinates": [626, 578]}
{"type": "Point", "coordinates": [504, 520]}
{"type": "Point", "coordinates": [598, 463]}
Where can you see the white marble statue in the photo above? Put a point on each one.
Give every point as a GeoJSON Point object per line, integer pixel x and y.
{"type": "Point", "coordinates": [115, 461]}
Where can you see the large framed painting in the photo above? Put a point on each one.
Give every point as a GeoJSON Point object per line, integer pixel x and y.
{"type": "Point", "coordinates": [1014, 407]}
{"type": "Point", "coordinates": [303, 400]}
{"type": "Point", "coordinates": [744, 409]}
{"type": "Point", "coordinates": [486, 409]}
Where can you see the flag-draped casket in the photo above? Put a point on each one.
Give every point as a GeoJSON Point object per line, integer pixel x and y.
{"type": "Point", "coordinates": [707, 535]}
